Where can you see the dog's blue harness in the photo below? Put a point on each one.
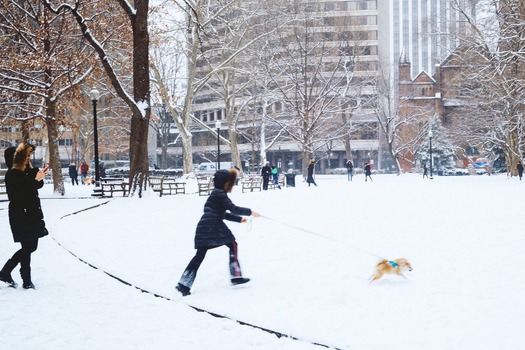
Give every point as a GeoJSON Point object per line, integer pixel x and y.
{"type": "Point", "coordinates": [394, 265]}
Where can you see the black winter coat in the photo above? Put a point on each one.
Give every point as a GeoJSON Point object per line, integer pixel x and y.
{"type": "Point", "coordinates": [25, 214]}
{"type": "Point", "coordinates": [211, 230]}
{"type": "Point", "coordinates": [266, 171]}
{"type": "Point", "coordinates": [73, 171]}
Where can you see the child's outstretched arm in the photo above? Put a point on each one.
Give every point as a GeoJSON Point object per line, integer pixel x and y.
{"type": "Point", "coordinates": [254, 214]}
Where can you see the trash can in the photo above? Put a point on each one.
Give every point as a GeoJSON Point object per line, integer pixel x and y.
{"type": "Point", "coordinates": [290, 180]}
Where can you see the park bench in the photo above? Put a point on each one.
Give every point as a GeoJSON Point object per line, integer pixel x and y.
{"type": "Point", "coordinates": [251, 183]}
{"type": "Point", "coordinates": [111, 185]}
{"type": "Point", "coordinates": [280, 182]}
{"type": "Point", "coordinates": [164, 185]}
{"type": "Point", "coordinates": [205, 185]}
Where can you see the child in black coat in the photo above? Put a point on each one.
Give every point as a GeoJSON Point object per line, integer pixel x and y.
{"type": "Point", "coordinates": [212, 232]}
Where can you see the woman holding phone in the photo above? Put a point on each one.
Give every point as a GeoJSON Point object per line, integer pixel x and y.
{"type": "Point", "coordinates": [25, 214]}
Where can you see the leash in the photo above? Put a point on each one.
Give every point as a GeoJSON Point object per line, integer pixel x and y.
{"type": "Point", "coordinates": [322, 236]}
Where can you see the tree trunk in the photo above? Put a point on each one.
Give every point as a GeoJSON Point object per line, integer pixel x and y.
{"type": "Point", "coordinates": [346, 139]}
{"type": "Point", "coordinates": [305, 161]}
{"type": "Point", "coordinates": [512, 156]}
{"type": "Point", "coordinates": [54, 158]}
{"type": "Point", "coordinates": [187, 153]}
{"type": "Point", "coordinates": [236, 157]}
{"type": "Point", "coordinates": [395, 160]}
{"type": "Point", "coordinates": [138, 150]}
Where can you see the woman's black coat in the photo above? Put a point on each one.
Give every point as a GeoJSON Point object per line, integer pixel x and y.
{"type": "Point", "coordinates": [310, 178]}
{"type": "Point", "coordinates": [25, 214]}
{"type": "Point", "coordinates": [211, 230]}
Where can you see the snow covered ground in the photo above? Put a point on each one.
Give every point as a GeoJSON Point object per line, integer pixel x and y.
{"type": "Point", "coordinates": [464, 237]}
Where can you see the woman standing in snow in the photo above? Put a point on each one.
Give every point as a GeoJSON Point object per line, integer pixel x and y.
{"type": "Point", "coordinates": [212, 232]}
{"type": "Point", "coordinates": [25, 214]}
{"type": "Point", "coordinates": [310, 179]}
{"type": "Point", "coordinates": [368, 171]}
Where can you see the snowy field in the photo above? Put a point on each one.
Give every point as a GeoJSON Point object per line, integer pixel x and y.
{"type": "Point", "coordinates": [464, 237]}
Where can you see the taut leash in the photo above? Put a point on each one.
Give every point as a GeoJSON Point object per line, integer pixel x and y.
{"type": "Point", "coordinates": [322, 236]}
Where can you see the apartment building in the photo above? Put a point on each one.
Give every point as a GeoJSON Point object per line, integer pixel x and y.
{"type": "Point", "coordinates": [335, 23]}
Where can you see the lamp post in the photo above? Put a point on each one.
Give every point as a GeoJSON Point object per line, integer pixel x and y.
{"type": "Point", "coordinates": [430, 138]}
{"type": "Point", "coordinates": [94, 95]}
{"type": "Point", "coordinates": [218, 126]}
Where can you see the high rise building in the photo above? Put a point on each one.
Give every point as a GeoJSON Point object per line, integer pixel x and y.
{"type": "Point", "coordinates": [424, 32]}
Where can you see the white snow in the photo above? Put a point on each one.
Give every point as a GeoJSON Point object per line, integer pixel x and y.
{"type": "Point", "coordinates": [463, 236]}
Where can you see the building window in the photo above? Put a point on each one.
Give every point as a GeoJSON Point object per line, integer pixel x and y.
{"type": "Point", "coordinates": [65, 142]}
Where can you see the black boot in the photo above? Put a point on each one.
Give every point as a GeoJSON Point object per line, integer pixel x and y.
{"type": "Point", "coordinates": [26, 278]}
{"type": "Point", "coordinates": [239, 280]}
{"type": "Point", "coordinates": [5, 273]}
{"type": "Point", "coordinates": [183, 289]}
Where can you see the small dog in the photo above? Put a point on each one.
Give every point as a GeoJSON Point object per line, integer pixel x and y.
{"type": "Point", "coordinates": [386, 266]}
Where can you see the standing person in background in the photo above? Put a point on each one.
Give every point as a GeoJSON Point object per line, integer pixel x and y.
{"type": "Point", "coordinates": [425, 171]}
{"type": "Point", "coordinates": [275, 176]}
{"type": "Point", "coordinates": [368, 171]}
{"type": "Point", "coordinates": [102, 170]}
{"type": "Point", "coordinates": [84, 168]}
{"type": "Point", "coordinates": [25, 214]}
{"type": "Point", "coordinates": [310, 178]}
{"type": "Point", "coordinates": [349, 169]}
{"type": "Point", "coordinates": [265, 173]}
{"type": "Point", "coordinates": [73, 174]}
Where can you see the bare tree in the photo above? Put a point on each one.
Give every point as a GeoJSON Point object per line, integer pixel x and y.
{"type": "Point", "coordinates": [402, 121]}
{"type": "Point", "coordinates": [306, 71]}
{"type": "Point", "coordinates": [85, 13]}
{"type": "Point", "coordinates": [43, 63]}
{"type": "Point", "coordinates": [492, 81]}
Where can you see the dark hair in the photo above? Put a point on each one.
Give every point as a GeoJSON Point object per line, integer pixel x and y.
{"type": "Point", "coordinates": [23, 151]}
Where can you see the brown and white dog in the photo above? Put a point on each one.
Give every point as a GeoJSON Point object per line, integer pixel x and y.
{"type": "Point", "coordinates": [390, 266]}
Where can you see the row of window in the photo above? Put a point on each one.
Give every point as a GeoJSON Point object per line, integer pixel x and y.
{"type": "Point", "coordinates": [10, 143]}
{"type": "Point", "coordinates": [346, 36]}
{"type": "Point", "coordinates": [343, 21]}
{"type": "Point", "coordinates": [342, 6]}
{"type": "Point", "coordinates": [209, 116]}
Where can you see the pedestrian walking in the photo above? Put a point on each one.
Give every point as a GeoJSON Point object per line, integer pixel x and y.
{"type": "Point", "coordinates": [25, 214]}
{"type": "Point", "coordinates": [368, 171]}
{"type": "Point", "coordinates": [265, 173]}
{"type": "Point", "coordinates": [212, 232]}
{"type": "Point", "coordinates": [84, 168]}
{"type": "Point", "coordinates": [73, 174]}
{"type": "Point", "coordinates": [425, 171]}
{"type": "Point", "coordinates": [310, 178]}
{"type": "Point", "coordinates": [520, 169]}
{"type": "Point", "coordinates": [349, 170]}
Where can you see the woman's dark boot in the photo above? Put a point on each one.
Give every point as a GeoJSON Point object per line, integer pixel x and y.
{"type": "Point", "coordinates": [5, 273]}
{"type": "Point", "coordinates": [183, 289]}
{"type": "Point", "coordinates": [239, 280]}
{"type": "Point", "coordinates": [26, 278]}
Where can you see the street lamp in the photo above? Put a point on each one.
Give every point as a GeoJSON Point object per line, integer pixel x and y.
{"type": "Point", "coordinates": [218, 126]}
{"type": "Point", "coordinates": [430, 138]}
{"type": "Point", "coordinates": [94, 95]}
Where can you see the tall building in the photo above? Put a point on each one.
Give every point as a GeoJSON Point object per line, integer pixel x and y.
{"type": "Point", "coordinates": [424, 32]}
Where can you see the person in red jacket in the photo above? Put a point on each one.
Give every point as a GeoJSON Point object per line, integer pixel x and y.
{"type": "Point", "coordinates": [84, 168]}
